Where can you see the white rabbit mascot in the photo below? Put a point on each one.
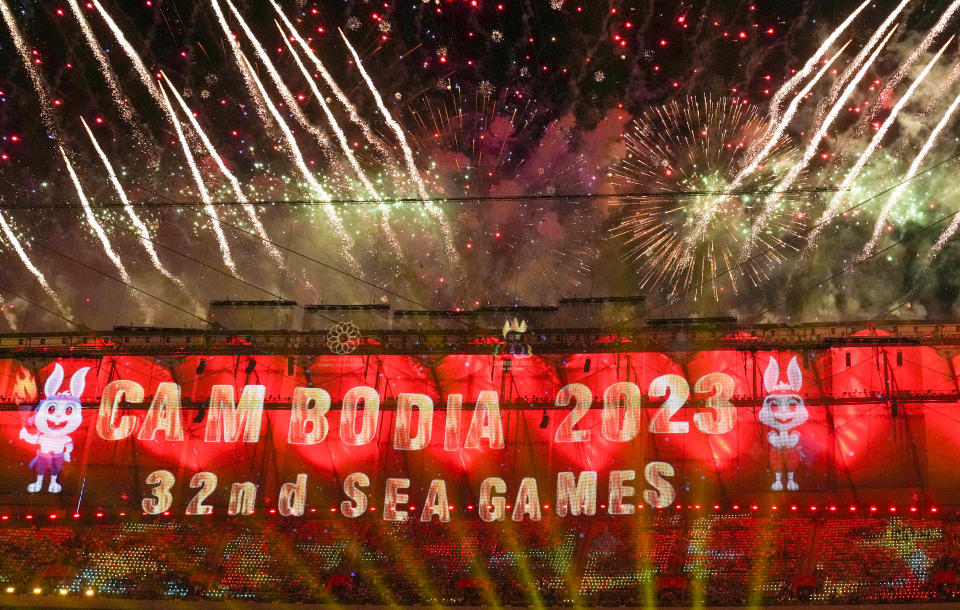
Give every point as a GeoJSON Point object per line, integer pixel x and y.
{"type": "Point", "coordinates": [56, 418]}
{"type": "Point", "coordinates": [783, 410]}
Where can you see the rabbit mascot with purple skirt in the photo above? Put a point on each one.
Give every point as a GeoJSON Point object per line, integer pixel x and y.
{"type": "Point", "coordinates": [55, 419]}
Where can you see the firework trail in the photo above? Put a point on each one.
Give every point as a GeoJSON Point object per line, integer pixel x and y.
{"type": "Point", "coordinates": [811, 150]}
{"type": "Point", "coordinates": [854, 172]}
{"type": "Point", "coordinates": [831, 98]}
{"type": "Point", "coordinates": [391, 122]}
{"type": "Point", "coordinates": [452, 255]}
{"type": "Point", "coordinates": [337, 92]}
{"type": "Point", "coordinates": [950, 230]}
{"type": "Point", "coordinates": [138, 65]}
{"type": "Point", "coordinates": [292, 104]}
{"type": "Point", "coordinates": [234, 183]}
{"type": "Point", "coordinates": [294, 151]}
{"type": "Point", "coordinates": [341, 137]}
{"type": "Point", "coordinates": [94, 223]}
{"type": "Point", "coordinates": [46, 107]}
{"type": "Point", "coordinates": [244, 72]}
{"type": "Point", "coordinates": [941, 242]}
{"type": "Point", "coordinates": [951, 78]}
{"type": "Point", "coordinates": [932, 34]}
{"type": "Point", "coordinates": [807, 68]}
{"type": "Point", "coordinates": [18, 247]}
{"type": "Point", "coordinates": [259, 92]}
{"type": "Point", "coordinates": [151, 86]}
{"type": "Point", "coordinates": [785, 119]}
{"type": "Point", "coordinates": [292, 148]}
{"type": "Point", "coordinates": [771, 139]}
{"type": "Point", "coordinates": [345, 147]}
{"type": "Point", "coordinates": [126, 111]}
{"type": "Point", "coordinates": [131, 213]}
{"type": "Point", "coordinates": [204, 195]}
{"type": "Point", "coordinates": [46, 115]}
{"type": "Point", "coordinates": [914, 167]}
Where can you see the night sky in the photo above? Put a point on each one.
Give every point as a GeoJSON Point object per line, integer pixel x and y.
{"type": "Point", "coordinates": [518, 117]}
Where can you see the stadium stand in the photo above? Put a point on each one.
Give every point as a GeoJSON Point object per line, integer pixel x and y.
{"type": "Point", "coordinates": [668, 558]}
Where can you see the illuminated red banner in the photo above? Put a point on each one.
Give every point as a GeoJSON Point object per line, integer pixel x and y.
{"type": "Point", "coordinates": [492, 436]}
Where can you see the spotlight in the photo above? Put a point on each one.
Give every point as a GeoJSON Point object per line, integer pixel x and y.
{"type": "Point", "coordinates": [10, 589]}
{"type": "Point", "coordinates": [88, 592]}
{"type": "Point", "coordinates": [545, 420]}
{"type": "Point", "coordinates": [201, 367]}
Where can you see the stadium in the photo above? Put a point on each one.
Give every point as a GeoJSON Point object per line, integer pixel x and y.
{"type": "Point", "coordinates": [438, 459]}
{"type": "Point", "coordinates": [470, 303]}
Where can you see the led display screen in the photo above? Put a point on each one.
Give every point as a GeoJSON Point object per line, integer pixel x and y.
{"type": "Point", "coordinates": [493, 437]}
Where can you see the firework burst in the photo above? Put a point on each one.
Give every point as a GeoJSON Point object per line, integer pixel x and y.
{"type": "Point", "coordinates": [680, 159]}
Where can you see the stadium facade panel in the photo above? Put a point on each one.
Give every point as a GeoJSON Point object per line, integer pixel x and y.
{"type": "Point", "coordinates": [507, 424]}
